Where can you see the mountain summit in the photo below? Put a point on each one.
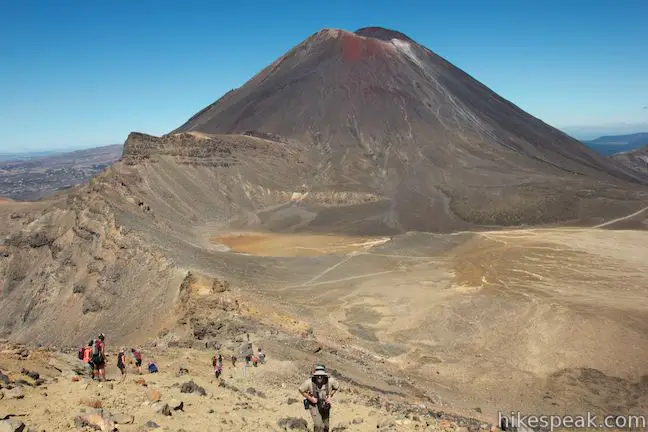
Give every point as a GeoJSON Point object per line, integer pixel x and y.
{"type": "Point", "coordinates": [381, 113]}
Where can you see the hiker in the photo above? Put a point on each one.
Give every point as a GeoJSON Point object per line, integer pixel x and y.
{"type": "Point", "coordinates": [261, 356]}
{"type": "Point", "coordinates": [87, 357]}
{"type": "Point", "coordinates": [217, 363]}
{"type": "Point", "coordinates": [120, 364]}
{"type": "Point", "coordinates": [152, 368]}
{"type": "Point", "coordinates": [138, 360]}
{"type": "Point", "coordinates": [246, 351]}
{"type": "Point", "coordinates": [233, 361]}
{"type": "Point", "coordinates": [99, 357]}
{"type": "Point", "coordinates": [318, 392]}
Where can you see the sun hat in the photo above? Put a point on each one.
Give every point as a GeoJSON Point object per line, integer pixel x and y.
{"type": "Point", "coordinates": [320, 370]}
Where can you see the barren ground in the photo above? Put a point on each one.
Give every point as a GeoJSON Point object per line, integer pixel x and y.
{"type": "Point", "coordinates": [232, 405]}
{"type": "Point", "coordinates": [491, 317]}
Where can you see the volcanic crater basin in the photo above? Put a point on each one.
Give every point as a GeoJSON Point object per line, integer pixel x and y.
{"type": "Point", "coordinates": [294, 244]}
{"type": "Point", "coordinates": [495, 318]}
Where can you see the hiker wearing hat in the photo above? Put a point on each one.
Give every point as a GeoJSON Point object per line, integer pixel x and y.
{"type": "Point", "coordinates": [318, 392]}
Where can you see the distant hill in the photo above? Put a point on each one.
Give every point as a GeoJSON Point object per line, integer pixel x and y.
{"type": "Point", "coordinates": [30, 176]}
{"type": "Point", "coordinates": [608, 145]}
{"type": "Point", "coordinates": [61, 155]}
{"type": "Point", "coordinates": [26, 155]}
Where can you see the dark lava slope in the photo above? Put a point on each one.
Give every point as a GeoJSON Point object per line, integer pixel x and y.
{"type": "Point", "coordinates": [379, 113]}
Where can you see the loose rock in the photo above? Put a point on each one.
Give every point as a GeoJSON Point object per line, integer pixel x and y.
{"type": "Point", "coordinates": [95, 421]}
{"type": "Point", "coordinates": [14, 393]}
{"type": "Point", "coordinates": [386, 424]}
{"type": "Point", "coordinates": [176, 405]}
{"type": "Point", "coordinates": [192, 387]}
{"type": "Point", "coordinates": [33, 375]}
{"type": "Point", "coordinates": [161, 408]}
{"type": "Point", "coordinates": [12, 425]}
{"type": "Point", "coordinates": [292, 423]}
{"type": "Point", "coordinates": [153, 395]}
{"type": "Point", "coordinates": [255, 392]}
{"type": "Point", "coordinates": [69, 365]}
{"type": "Point", "coordinates": [4, 380]}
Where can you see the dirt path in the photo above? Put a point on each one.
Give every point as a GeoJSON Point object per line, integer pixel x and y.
{"type": "Point", "coordinates": [637, 213]}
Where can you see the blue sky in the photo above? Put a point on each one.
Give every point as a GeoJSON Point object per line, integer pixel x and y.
{"type": "Point", "coordinates": [84, 73]}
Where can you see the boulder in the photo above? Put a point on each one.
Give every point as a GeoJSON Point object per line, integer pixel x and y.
{"type": "Point", "coordinates": [153, 395]}
{"type": "Point", "coordinates": [387, 424]}
{"type": "Point", "coordinates": [4, 380]}
{"type": "Point", "coordinates": [69, 365]}
{"type": "Point", "coordinates": [95, 421]}
{"type": "Point", "coordinates": [12, 425]}
{"type": "Point", "coordinates": [14, 393]}
{"type": "Point", "coordinates": [161, 408]}
{"type": "Point", "coordinates": [176, 405]}
{"type": "Point", "coordinates": [254, 392]}
{"type": "Point", "coordinates": [292, 423]}
{"type": "Point", "coordinates": [192, 387]}
{"type": "Point", "coordinates": [31, 374]}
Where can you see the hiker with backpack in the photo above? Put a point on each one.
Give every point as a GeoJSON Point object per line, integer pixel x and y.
{"type": "Point", "coordinates": [138, 360]}
{"type": "Point", "coordinates": [98, 358]}
{"type": "Point", "coordinates": [87, 357]}
{"type": "Point", "coordinates": [318, 392]}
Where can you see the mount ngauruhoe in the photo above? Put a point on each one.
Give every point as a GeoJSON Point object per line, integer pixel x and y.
{"type": "Point", "coordinates": [375, 112]}
{"type": "Point", "coordinates": [364, 203]}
